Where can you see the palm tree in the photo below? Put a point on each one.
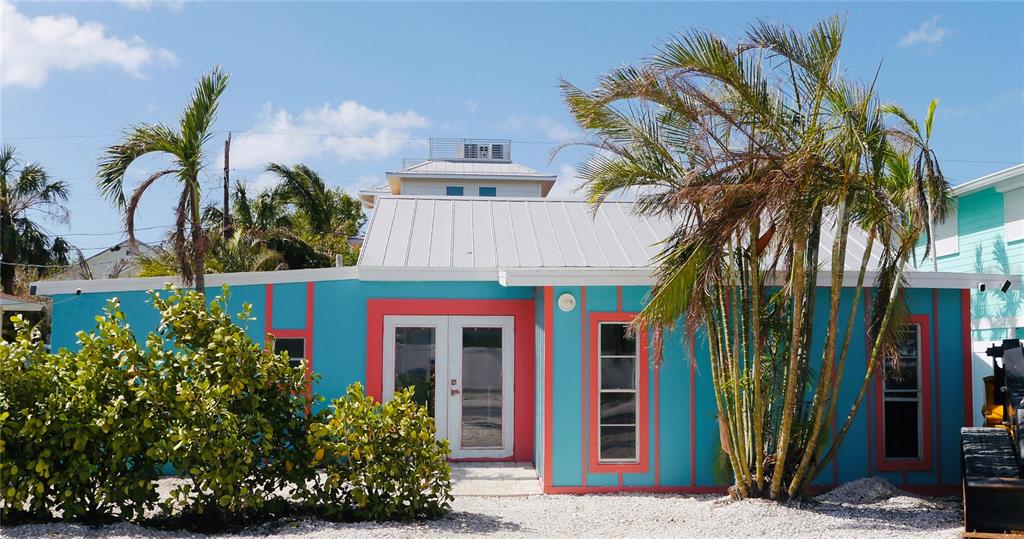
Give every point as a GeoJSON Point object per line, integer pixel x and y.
{"type": "Point", "coordinates": [184, 148]}
{"type": "Point", "coordinates": [324, 217]}
{"type": "Point", "coordinates": [24, 242]}
{"type": "Point", "coordinates": [757, 150]}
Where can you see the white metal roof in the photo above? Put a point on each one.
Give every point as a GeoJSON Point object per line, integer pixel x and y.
{"type": "Point", "coordinates": [532, 241]}
{"type": "Point", "coordinates": [516, 242]}
{"type": "Point", "coordinates": [485, 232]}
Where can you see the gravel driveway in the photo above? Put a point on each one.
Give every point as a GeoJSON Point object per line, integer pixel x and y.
{"type": "Point", "coordinates": [865, 508]}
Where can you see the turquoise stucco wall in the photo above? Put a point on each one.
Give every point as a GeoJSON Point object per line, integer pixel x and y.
{"type": "Point", "coordinates": [856, 456]}
{"type": "Point", "coordinates": [339, 356]}
{"type": "Point", "coordinates": [339, 317]}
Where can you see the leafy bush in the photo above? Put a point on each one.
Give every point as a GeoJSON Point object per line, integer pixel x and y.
{"type": "Point", "coordinates": [25, 433]}
{"type": "Point", "coordinates": [77, 430]}
{"type": "Point", "coordinates": [381, 461]}
{"type": "Point", "coordinates": [85, 435]}
{"type": "Point", "coordinates": [234, 415]}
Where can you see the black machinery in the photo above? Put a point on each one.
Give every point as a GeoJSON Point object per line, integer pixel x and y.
{"type": "Point", "coordinates": [991, 462]}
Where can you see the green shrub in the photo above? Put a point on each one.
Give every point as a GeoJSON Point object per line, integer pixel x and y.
{"type": "Point", "coordinates": [380, 461]}
{"type": "Point", "coordinates": [85, 435]}
{"type": "Point", "coordinates": [25, 432]}
{"type": "Point", "coordinates": [78, 430]}
{"type": "Point", "coordinates": [234, 415]}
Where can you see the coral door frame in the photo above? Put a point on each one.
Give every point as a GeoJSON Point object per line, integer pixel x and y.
{"type": "Point", "coordinates": [522, 311]}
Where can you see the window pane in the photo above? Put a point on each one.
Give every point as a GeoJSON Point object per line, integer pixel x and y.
{"type": "Point", "coordinates": [295, 347]}
{"type": "Point", "coordinates": [618, 408]}
{"type": "Point", "coordinates": [481, 387]}
{"type": "Point", "coordinates": [902, 373]}
{"type": "Point", "coordinates": [488, 191]}
{"type": "Point", "coordinates": [614, 341]}
{"type": "Point", "coordinates": [415, 354]}
{"type": "Point", "coordinates": [618, 443]}
{"type": "Point", "coordinates": [453, 191]}
{"type": "Point", "coordinates": [901, 429]}
{"type": "Point", "coordinates": [906, 342]}
{"type": "Point", "coordinates": [617, 373]}
{"type": "Point", "coordinates": [902, 376]}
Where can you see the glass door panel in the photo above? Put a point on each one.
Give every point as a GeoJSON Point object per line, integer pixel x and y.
{"type": "Point", "coordinates": [416, 355]}
{"type": "Point", "coordinates": [415, 361]}
{"type": "Point", "coordinates": [481, 387]}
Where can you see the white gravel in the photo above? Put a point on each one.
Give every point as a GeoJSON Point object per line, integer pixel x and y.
{"type": "Point", "coordinates": [861, 509]}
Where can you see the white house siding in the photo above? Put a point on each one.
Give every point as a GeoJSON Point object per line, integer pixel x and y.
{"type": "Point", "coordinates": [505, 188]}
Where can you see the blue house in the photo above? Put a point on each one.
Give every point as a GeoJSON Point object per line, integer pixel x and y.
{"type": "Point", "coordinates": [509, 315]}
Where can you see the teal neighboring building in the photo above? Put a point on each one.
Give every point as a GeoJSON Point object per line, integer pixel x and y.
{"type": "Point", "coordinates": [985, 234]}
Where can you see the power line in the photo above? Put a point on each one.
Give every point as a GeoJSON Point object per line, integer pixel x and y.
{"type": "Point", "coordinates": [114, 233]}
{"type": "Point", "coordinates": [36, 265]}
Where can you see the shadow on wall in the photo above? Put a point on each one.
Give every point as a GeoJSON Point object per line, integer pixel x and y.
{"type": "Point", "coordinates": [993, 303]}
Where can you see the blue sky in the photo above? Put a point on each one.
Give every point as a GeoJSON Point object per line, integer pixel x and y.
{"type": "Point", "coordinates": [75, 74]}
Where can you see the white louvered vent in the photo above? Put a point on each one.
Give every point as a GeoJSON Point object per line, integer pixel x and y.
{"type": "Point", "coordinates": [485, 152]}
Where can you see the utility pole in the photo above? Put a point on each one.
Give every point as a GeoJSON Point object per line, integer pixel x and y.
{"type": "Point", "coordinates": [227, 186]}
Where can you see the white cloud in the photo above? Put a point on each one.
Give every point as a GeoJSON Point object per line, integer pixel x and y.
{"type": "Point", "coordinates": [555, 131]}
{"type": "Point", "coordinates": [514, 122]}
{"type": "Point", "coordinates": [173, 5]}
{"type": "Point", "coordinates": [929, 33]}
{"type": "Point", "coordinates": [566, 183]}
{"type": "Point", "coordinates": [34, 46]}
{"type": "Point", "coordinates": [347, 132]}
{"type": "Point", "coordinates": [552, 129]}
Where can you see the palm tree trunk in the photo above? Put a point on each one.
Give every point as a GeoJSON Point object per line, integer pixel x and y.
{"type": "Point", "coordinates": [825, 387]}
{"type": "Point", "coordinates": [198, 244]}
{"type": "Point", "coordinates": [844, 348]}
{"type": "Point", "coordinates": [872, 364]}
{"type": "Point", "coordinates": [797, 276]}
{"type": "Point", "coordinates": [755, 321]}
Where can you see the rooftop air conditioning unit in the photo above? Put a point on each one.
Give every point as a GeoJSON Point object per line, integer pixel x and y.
{"type": "Point", "coordinates": [485, 152]}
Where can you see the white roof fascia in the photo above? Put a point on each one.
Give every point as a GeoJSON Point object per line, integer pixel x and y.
{"type": "Point", "coordinates": [405, 273]}
{"type": "Point", "coordinates": [471, 176]}
{"type": "Point", "coordinates": [988, 181]}
{"type": "Point", "coordinates": [645, 276]}
{"type": "Point", "coordinates": [576, 277]}
{"type": "Point", "coordinates": [213, 280]}
{"type": "Point", "coordinates": [20, 306]}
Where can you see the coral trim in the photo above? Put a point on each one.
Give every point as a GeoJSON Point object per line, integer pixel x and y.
{"type": "Point", "coordinates": [549, 391]}
{"type": "Point", "coordinates": [968, 359]}
{"type": "Point", "coordinates": [306, 333]}
{"type": "Point", "coordinates": [938, 390]}
{"type": "Point", "coordinates": [693, 409]}
{"type": "Point", "coordinates": [523, 385]}
{"type": "Point", "coordinates": [643, 425]}
{"type": "Point", "coordinates": [924, 463]}
{"type": "Point", "coordinates": [584, 435]}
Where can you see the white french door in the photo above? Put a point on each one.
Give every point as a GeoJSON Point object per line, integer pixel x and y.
{"type": "Point", "coordinates": [462, 369]}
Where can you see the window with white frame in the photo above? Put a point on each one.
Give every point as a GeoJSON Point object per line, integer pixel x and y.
{"type": "Point", "coordinates": [901, 398]}
{"type": "Point", "coordinates": [618, 400]}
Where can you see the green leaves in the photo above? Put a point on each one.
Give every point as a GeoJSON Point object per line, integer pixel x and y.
{"type": "Point", "coordinates": [393, 465]}
{"type": "Point", "coordinates": [88, 434]}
